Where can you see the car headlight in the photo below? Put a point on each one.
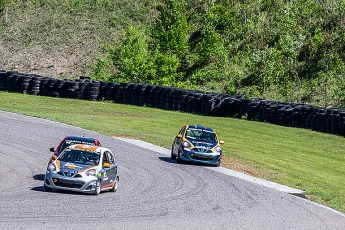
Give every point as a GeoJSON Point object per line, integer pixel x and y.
{"type": "Point", "coordinates": [52, 167]}
{"type": "Point", "coordinates": [186, 144]}
{"type": "Point", "coordinates": [91, 172]}
{"type": "Point", "coordinates": [218, 148]}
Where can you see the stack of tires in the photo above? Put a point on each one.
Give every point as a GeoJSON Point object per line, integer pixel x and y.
{"type": "Point", "coordinates": [151, 96]}
{"type": "Point", "coordinates": [206, 103]}
{"type": "Point", "coordinates": [3, 80]}
{"type": "Point", "coordinates": [17, 82]}
{"type": "Point", "coordinates": [111, 91]}
{"type": "Point", "coordinates": [103, 91]}
{"type": "Point", "coordinates": [9, 80]}
{"type": "Point", "coordinates": [93, 90]}
{"type": "Point", "coordinates": [83, 90]}
{"type": "Point", "coordinates": [72, 89]}
{"type": "Point", "coordinates": [26, 83]}
{"type": "Point", "coordinates": [61, 88]}
{"type": "Point", "coordinates": [134, 93]}
{"type": "Point", "coordinates": [181, 100]}
{"type": "Point", "coordinates": [35, 87]}
{"type": "Point", "coordinates": [52, 89]}
{"type": "Point", "coordinates": [142, 94]}
{"type": "Point", "coordinates": [126, 93]}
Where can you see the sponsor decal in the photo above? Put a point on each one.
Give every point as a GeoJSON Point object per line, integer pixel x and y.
{"type": "Point", "coordinates": [73, 142]}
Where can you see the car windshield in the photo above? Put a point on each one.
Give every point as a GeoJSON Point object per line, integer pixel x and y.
{"type": "Point", "coordinates": [201, 135]}
{"type": "Point", "coordinates": [79, 157]}
{"type": "Point", "coordinates": [69, 142]}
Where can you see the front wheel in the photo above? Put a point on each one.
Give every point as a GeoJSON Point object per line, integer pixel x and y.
{"type": "Point", "coordinates": [179, 160]}
{"type": "Point", "coordinates": [46, 188]}
{"type": "Point", "coordinates": [98, 188]}
{"type": "Point", "coordinates": [172, 155]}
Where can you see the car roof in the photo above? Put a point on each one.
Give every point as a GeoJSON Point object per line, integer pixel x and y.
{"type": "Point", "coordinates": [79, 138]}
{"type": "Point", "coordinates": [200, 127]}
{"type": "Point", "coordinates": [84, 147]}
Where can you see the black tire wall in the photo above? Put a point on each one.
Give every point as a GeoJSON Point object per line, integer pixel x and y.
{"type": "Point", "coordinates": [330, 120]}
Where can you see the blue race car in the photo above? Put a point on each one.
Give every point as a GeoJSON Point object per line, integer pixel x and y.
{"type": "Point", "coordinates": [197, 144]}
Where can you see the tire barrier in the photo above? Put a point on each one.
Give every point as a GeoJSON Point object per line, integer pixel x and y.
{"type": "Point", "coordinates": [103, 91]}
{"type": "Point", "coordinates": [25, 84]}
{"type": "Point", "coordinates": [142, 94]}
{"type": "Point", "coordinates": [111, 91]}
{"type": "Point", "coordinates": [93, 90]}
{"type": "Point", "coordinates": [35, 86]}
{"type": "Point", "coordinates": [83, 91]}
{"type": "Point", "coordinates": [327, 120]}
{"type": "Point", "coordinates": [51, 87]}
{"type": "Point", "coordinates": [152, 97]}
{"type": "Point", "coordinates": [16, 81]}
{"type": "Point", "coordinates": [3, 80]}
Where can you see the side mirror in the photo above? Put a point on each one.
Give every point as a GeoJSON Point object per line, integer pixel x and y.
{"type": "Point", "coordinates": [52, 149]}
{"type": "Point", "coordinates": [106, 165]}
{"type": "Point", "coordinates": [179, 136]}
{"type": "Point", "coordinates": [221, 142]}
{"type": "Point", "coordinates": [54, 157]}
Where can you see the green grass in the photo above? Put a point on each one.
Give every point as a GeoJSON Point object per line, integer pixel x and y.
{"type": "Point", "coordinates": [61, 38]}
{"type": "Point", "coordinates": [299, 158]}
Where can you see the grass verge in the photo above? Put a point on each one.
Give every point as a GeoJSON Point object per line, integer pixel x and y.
{"type": "Point", "coordinates": [299, 158]}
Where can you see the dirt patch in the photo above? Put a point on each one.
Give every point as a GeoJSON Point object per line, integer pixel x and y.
{"type": "Point", "coordinates": [239, 166]}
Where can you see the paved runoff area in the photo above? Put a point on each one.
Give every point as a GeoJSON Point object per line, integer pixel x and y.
{"type": "Point", "coordinates": [223, 170]}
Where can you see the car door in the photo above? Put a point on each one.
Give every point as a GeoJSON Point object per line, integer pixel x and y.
{"type": "Point", "coordinates": [177, 141]}
{"type": "Point", "coordinates": [111, 172]}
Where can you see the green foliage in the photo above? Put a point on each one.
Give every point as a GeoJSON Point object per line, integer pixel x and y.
{"type": "Point", "coordinates": [3, 4]}
{"type": "Point", "coordinates": [170, 31]}
{"type": "Point", "coordinates": [266, 69]}
{"type": "Point", "coordinates": [280, 50]}
{"type": "Point", "coordinates": [132, 57]}
{"type": "Point", "coordinates": [104, 69]}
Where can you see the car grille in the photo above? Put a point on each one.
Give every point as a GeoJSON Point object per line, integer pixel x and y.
{"type": "Point", "coordinates": [205, 158]}
{"type": "Point", "coordinates": [69, 174]}
{"type": "Point", "coordinates": [68, 183]}
{"type": "Point", "coordinates": [202, 150]}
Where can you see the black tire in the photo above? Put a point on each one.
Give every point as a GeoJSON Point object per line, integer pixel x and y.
{"type": "Point", "coordinates": [179, 161]}
{"type": "Point", "coordinates": [46, 188]}
{"type": "Point", "coordinates": [116, 185]}
{"type": "Point", "coordinates": [98, 188]}
{"type": "Point", "coordinates": [172, 155]}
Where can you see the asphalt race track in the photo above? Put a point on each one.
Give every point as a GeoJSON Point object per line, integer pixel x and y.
{"type": "Point", "coordinates": [154, 191]}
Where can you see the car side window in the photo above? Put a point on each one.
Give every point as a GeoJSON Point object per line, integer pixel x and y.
{"type": "Point", "coordinates": [111, 158]}
{"type": "Point", "coordinates": [108, 158]}
{"type": "Point", "coordinates": [182, 130]}
{"type": "Point", "coordinates": [105, 158]}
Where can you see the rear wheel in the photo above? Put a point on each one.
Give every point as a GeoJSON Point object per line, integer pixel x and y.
{"type": "Point", "coordinates": [98, 188]}
{"type": "Point", "coordinates": [46, 188]}
{"type": "Point", "coordinates": [116, 185]}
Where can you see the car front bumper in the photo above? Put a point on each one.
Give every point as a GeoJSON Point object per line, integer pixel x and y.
{"type": "Point", "coordinates": [77, 184]}
{"type": "Point", "coordinates": [200, 157]}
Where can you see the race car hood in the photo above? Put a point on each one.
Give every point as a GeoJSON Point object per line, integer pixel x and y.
{"type": "Point", "coordinates": [68, 167]}
{"type": "Point", "coordinates": [203, 144]}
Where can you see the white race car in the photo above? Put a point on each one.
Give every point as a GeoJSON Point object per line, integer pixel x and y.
{"type": "Point", "coordinates": [83, 168]}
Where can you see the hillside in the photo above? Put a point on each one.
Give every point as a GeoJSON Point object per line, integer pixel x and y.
{"type": "Point", "coordinates": [60, 39]}
{"type": "Point", "coordinates": [278, 50]}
